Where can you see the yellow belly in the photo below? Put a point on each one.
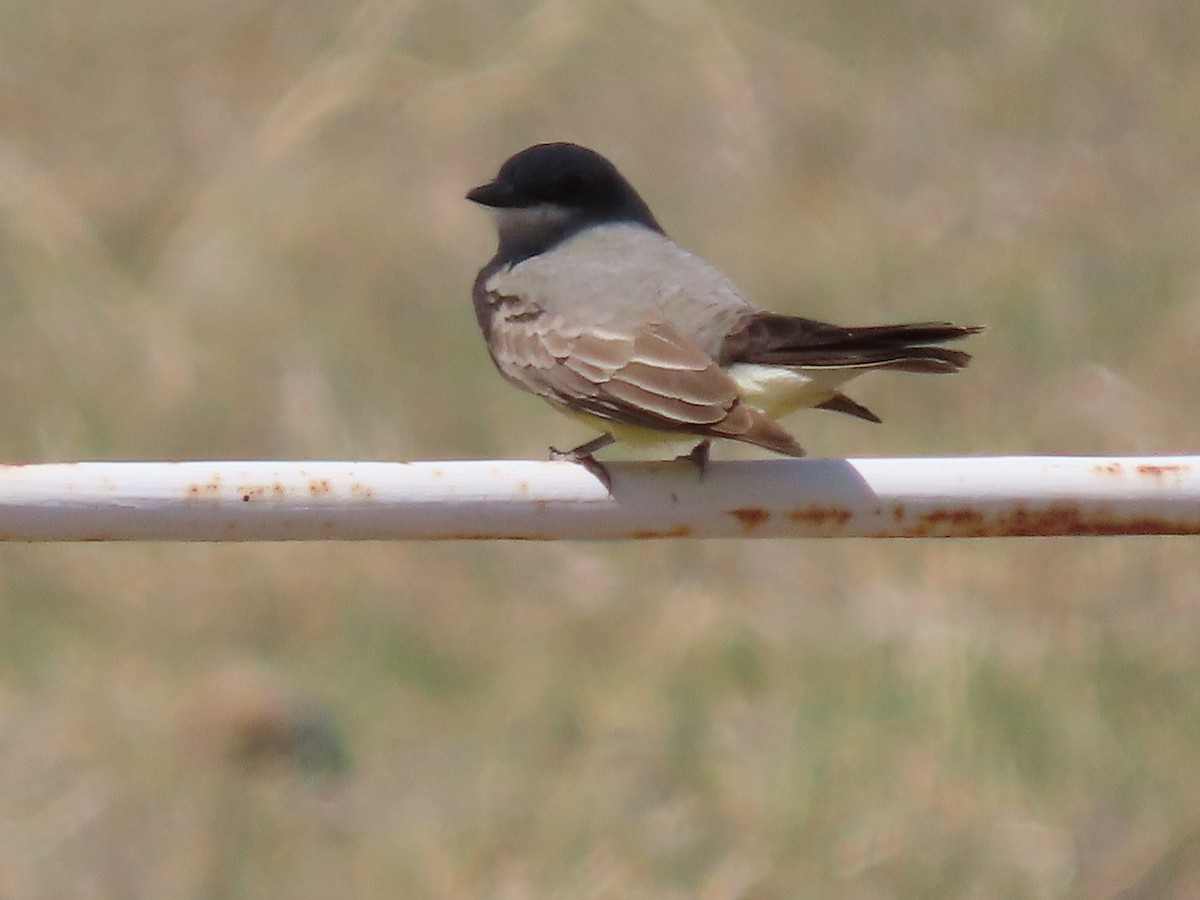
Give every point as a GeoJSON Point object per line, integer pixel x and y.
{"type": "Point", "coordinates": [625, 434]}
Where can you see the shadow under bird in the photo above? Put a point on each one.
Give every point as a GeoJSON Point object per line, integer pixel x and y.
{"type": "Point", "coordinates": [589, 305]}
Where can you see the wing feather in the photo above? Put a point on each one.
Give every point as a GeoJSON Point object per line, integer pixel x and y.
{"type": "Point", "coordinates": [652, 377]}
{"type": "Point", "coordinates": [655, 378]}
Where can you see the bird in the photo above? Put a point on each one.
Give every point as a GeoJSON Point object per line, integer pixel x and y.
{"type": "Point", "coordinates": [588, 304]}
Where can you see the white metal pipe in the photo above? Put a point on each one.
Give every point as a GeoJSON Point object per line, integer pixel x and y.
{"type": "Point", "coordinates": [274, 501]}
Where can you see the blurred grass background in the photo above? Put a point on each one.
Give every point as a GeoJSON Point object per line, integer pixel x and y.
{"type": "Point", "coordinates": [237, 230]}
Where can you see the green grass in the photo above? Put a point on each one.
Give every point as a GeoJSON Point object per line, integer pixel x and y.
{"type": "Point", "coordinates": [237, 230]}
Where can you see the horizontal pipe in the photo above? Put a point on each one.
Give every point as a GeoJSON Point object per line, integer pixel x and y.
{"type": "Point", "coordinates": [517, 499]}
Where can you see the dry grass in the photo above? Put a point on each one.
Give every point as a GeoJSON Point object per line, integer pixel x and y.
{"type": "Point", "coordinates": [237, 230]}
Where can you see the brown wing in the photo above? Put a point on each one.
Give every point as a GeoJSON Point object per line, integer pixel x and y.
{"type": "Point", "coordinates": [653, 377]}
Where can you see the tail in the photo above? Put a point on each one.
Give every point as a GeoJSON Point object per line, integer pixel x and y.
{"type": "Point", "coordinates": [770, 339]}
{"type": "Point", "coordinates": [792, 341]}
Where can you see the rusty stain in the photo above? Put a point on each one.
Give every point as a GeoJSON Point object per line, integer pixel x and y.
{"type": "Point", "coordinates": [540, 505]}
{"type": "Point", "coordinates": [1111, 468]}
{"type": "Point", "coordinates": [750, 517]}
{"type": "Point", "coordinates": [820, 515]}
{"type": "Point", "coordinates": [319, 486]}
{"type": "Point", "coordinates": [1057, 520]}
{"type": "Point", "coordinates": [437, 473]}
{"type": "Point", "coordinates": [1160, 472]}
{"type": "Point", "coordinates": [276, 489]}
{"type": "Point", "coordinates": [522, 486]}
{"type": "Point", "coordinates": [210, 488]}
{"type": "Point", "coordinates": [962, 519]}
{"type": "Point", "coordinates": [898, 512]}
{"type": "Point", "coordinates": [358, 489]}
{"type": "Point", "coordinates": [679, 531]}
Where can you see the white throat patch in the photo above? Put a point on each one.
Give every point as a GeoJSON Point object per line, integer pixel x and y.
{"type": "Point", "coordinates": [523, 225]}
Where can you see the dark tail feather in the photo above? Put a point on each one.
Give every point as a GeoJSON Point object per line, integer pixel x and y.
{"type": "Point", "coordinates": [843, 404]}
{"type": "Point", "coordinates": [793, 341]}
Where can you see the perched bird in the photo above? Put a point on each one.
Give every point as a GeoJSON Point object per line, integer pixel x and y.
{"type": "Point", "coordinates": [589, 305]}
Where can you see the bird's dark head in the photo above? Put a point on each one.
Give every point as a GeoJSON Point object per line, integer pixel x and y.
{"type": "Point", "coordinates": [548, 192]}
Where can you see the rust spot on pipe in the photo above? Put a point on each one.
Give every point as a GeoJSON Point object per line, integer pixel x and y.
{"type": "Point", "coordinates": [1068, 519]}
{"type": "Point", "coordinates": [1057, 520]}
{"type": "Point", "coordinates": [965, 520]}
{"type": "Point", "coordinates": [319, 486]}
{"type": "Point", "coordinates": [820, 515]}
{"type": "Point", "coordinates": [210, 488]}
{"type": "Point", "coordinates": [358, 489]}
{"type": "Point", "coordinates": [1160, 472]}
{"type": "Point", "coordinates": [1113, 468]}
{"type": "Point", "coordinates": [679, 531]}
{"type": "Point", "coordinates": [750, 517]}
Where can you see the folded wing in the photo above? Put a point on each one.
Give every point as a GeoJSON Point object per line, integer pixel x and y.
{"type": "Point", "coordinates": [652, 377]}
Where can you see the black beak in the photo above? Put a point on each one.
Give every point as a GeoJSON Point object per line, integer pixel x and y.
{"type": "Point", "coordinates": [496, 194]}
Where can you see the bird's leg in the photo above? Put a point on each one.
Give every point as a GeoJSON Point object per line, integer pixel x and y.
{"type": "Point", "coordinates": [698, 456]}
{"type": "Point", "coordinates": [583, 455]}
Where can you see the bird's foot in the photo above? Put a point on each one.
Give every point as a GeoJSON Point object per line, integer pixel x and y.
{"type": "Point", "coordinates": [583, 456]}
{"type": "Point", "coordinates": [698, 457]}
